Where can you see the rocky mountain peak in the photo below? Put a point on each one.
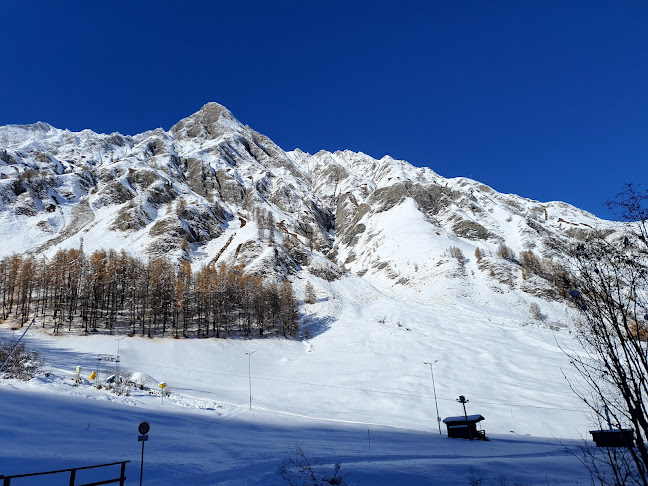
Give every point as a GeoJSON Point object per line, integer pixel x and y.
{"type": "Point", "coordinates": [212, 121]}
{"type": "Point", "coordinates": [213, 191]}
{"type": "Point", "coordinates": [15, 134]}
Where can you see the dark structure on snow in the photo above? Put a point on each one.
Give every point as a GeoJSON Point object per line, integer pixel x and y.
{"type": "Point", "coordinates": [458, 428]}
{"type": "Point", "coordinates": [613, 437]}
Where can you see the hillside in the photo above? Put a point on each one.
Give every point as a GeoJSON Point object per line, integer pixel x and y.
{"type": "Point", "coordinates": [361, 378]}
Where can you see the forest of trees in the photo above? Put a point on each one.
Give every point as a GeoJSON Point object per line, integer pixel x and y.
{"type": "Point", "coordinates": [111, 291]}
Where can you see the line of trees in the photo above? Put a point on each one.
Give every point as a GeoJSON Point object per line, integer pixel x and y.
{"type": "Point", "coordinates": [114, 291]}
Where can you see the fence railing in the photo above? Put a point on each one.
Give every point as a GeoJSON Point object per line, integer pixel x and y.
{"type": "Point", "coordinates": [6, 480]}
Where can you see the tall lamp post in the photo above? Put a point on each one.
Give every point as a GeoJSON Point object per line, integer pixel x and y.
{"type": "Point", "coordinates": [249, 355]}
{"type": "Point", "coordinates": [463, 401]}
{"type": "Point", "coordinates": [117, 360]}
{"type": "Point", "coordinates": [436, 404]}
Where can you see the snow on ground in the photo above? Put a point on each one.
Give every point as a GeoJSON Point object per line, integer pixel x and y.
{"type": "Point", "coordinates": [359, 378]}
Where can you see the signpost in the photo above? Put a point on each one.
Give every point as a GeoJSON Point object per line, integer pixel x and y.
{"type": "Point", "coordinates": [143, 429]}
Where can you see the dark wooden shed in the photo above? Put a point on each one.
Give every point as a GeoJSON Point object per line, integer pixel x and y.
{"type": "Point", "coordinates": [613, 437]}
{"type": "Point", "coordinates": [458, 428]}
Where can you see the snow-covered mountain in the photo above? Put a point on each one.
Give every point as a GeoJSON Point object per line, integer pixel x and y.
{"type": "Point", "coordinates": [413, 274]}
{"type": "Point", "coordinates": [214, 190]}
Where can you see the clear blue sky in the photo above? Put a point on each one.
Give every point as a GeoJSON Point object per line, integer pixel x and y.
{"type": "Point", "coordinates": [547, 99]}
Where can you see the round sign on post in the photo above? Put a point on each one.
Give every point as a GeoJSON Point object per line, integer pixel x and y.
{"type": "Point", "coordinates": [143, 429]}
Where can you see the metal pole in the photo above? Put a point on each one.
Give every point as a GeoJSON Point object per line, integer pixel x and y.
{"type": "Point", "coordinates": [463, 401]}
{"type": "Point", "coordinates": [607, 415]}
{"type": "Point", "coordinates": [117, 361]}
{"type": "Point", "coordinates": [142, 464]}
{"type": "Point", "coordinates": [249, 355]}
{"type": "Point", "coordinates": [16, 345]}
{"type": "Point", "coordinates": [250, 378]}
{"type": "Point", "coordinates": [436, 404]}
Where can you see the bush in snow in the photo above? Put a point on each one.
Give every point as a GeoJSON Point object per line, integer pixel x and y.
{"type": "Point", "coordinates": [536, 312]}
{"type": "Point", "coordinates": [118, 383]}
{"type": "Point", "coordinates": [298, 469]}
{"type": "Point", "coordinates": [455, 252]}
{"type": "Point", "coordinates": [22, 365]}
{"type": "Point", "coordinates": [478, 478]}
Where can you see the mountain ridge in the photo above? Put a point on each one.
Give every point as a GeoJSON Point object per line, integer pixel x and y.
{"type": "Point", "coordinates": [212, 190]}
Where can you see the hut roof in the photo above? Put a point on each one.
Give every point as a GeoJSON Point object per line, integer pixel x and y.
{"type": "Point", "coordinates": [462, 418]}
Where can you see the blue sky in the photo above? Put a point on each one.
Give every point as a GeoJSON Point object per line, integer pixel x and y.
{"type": "Point", "coordinates": [546, 99]}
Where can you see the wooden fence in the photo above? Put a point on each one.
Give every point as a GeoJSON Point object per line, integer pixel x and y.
{"type": "Point", "coordinates": [121, 479]}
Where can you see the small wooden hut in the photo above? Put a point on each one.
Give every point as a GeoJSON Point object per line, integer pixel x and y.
{"type": "Point", "coordinates": [458, 428]}
{"type": "Point", "coordinates": [613, 437]}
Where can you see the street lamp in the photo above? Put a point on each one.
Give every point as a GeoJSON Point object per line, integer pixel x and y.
{"type": "Point", "coordinates": [436, 404]}
{"type": "Point", "coordinates": [118, 340]}
{"type": "Point", "coordinates": [463, 401]}
{"type": "Point", "coordinates": [117, 360]}
{"type": "Point", "coordinates": [249, 355]}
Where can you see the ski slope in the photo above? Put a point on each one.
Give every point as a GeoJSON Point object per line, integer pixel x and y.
{"type": "Point", "coordinates": [357, 392]}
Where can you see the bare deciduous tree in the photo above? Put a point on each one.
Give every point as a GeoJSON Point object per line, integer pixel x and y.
{"type": "Point", "coordinates": [309, 294]}
{"type": "Point", "coordinates": [118, 292]}
{"type": "Point", "coordinates": [610, 274]}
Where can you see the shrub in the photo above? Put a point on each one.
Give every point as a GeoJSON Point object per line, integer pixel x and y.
{"type": "Point", "coordinates": [536, 313]}
{"type": "Point", "coordinates": [455, 252]}
{"type": "Point", "coordinates": [22, 365]}
{"type": "Point", "coordinates": [298, 469]}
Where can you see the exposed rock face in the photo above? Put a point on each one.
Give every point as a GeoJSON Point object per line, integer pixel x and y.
{"type": "Point", "coordinates": [213, 190]}
{"type": "Point", "coordinates": [211, 122]}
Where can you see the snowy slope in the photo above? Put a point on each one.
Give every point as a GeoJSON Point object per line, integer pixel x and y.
{"type": "Point", "coordinates": [362, 371]}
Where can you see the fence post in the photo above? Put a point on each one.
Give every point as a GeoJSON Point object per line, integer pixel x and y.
{"type": "Point", "coordinates": [6, 482]}
{"type": "Point", "coordinates": [122, 476]}
{"type": "Point", "coordinates": [72, 476]}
